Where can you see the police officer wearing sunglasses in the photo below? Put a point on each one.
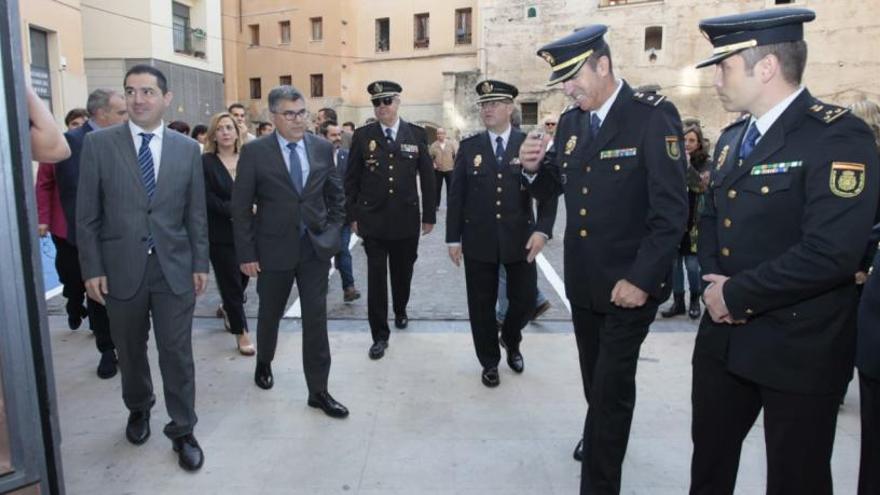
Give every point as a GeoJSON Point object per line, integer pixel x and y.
{"type": "Point", "coordinates": [382, 205]}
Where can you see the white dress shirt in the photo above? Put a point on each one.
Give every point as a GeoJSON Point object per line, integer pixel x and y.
{"type": "Point", "coordinates": [393, 128]}
{"type": "Point", "coordinates": [764, 122]}
{"type": "Point", "coordinates": [602, 112]}
{"type": "Point", "coordinates": [300, 151]}
{"type": "Point", "coordinates": [155, 143]}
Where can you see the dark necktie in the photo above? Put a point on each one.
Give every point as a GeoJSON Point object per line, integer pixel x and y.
{"type": "Point", "coordinates": [499, 152]}
{"type": "Point", "coordinates": [388, 136]}
{"type": "Point", "coordinates": [595, 123]}
{"type": "Point", "coordinates": [148, 174]}
{"type": "Point", "coordinates": [296, 172]}
{"type": "Point", "coordinates": [749, 142]}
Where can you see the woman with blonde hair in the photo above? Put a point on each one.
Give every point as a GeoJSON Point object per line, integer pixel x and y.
{"type": "Point", "coordinates": [220, 162]}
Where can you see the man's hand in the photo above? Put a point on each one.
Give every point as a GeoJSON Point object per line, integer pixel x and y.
{"type": "Point", "coordinates": [535, 245]}
{"type": "Point", "coordinates": [627, 295]}
{"type": "Point", "coordinates": [96, 287]}
{"type": "Point", "coordinates": [455, 254]}
{"type": "Point", "coordinates": [713, 297]}
{"type": "Point", "coordinates": [427, 228]}
{"type": "Point", "coordinates": [250, 269]}
{"type": "Point", "coordinates": [42, 229]}
{"type": "Point", "coordinates": [354, 228]}
{"type": "Point", "coordinates": [861, 277]}
{"type": "Point", "coordinates": [200, 281]}
{"type": "Point", "coordinates": [532, 151]}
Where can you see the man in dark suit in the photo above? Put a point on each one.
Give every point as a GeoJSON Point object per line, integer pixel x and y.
{"type": "Point", "coordinates": [617, 157]}
{"type": "Point", "coordinates": [382, 205]}
{"type": "Point", "coordinates": [790, 205]}
{"type": "Point", "coordinates": [490, 220]}
{"type": "Point", "coordinates": [143, 245]}
{"type": "Point", "coordinates": [105, 108]}
{"type": "Point", "coordinates": [289, 176]}
{"type": "Point", "coordinates": [333, 133]}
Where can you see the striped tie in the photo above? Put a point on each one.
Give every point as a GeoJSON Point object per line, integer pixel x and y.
{"type": "Point", "coordinates": [148, 175]}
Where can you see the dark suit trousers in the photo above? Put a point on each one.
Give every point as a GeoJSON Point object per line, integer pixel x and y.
{"type": "Point", "coordinates": [397, 256]}
{"type": "Point", "coordinates": [273, 287]}
{"type": "Point", "coordinates": [798, 431]}
{"type": "Point", "coordinates": [231, 283]}
{"type": "Point", "coordinates": [608, 350]}
{"type": "Point", "coordinates": [869, 468]}
{"type": "Point", "coordinates": [172, 316]}
{"type": "Point", "coordinates": [439, 178]}
{"type": "Point", "coordinates": [481, 279]}
{"type": "Point", "coordinates": [70, 275]}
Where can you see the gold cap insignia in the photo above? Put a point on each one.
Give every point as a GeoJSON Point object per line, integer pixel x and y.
{"type": "Point", "coordinates": [549, 58]}
{"type": "Point", "coordinates": [570, 145]}
{"type": "Point", "coordinates": [372, 145]}
{"type": "Point", "coordinates": [377, 87]}
{"type": "Point", "coordinates": [478, 160]}
{"type": "Point", "coordinates": [486, 87]}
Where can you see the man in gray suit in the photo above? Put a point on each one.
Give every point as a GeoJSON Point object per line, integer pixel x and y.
{"type": "Point", "coordinates": [143, 246]}
{"type": "Point", "coordinates": [289, 175]}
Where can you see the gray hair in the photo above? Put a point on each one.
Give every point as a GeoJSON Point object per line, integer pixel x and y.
{"type": "Point", "coordinates": [99, 99]}
{"type": "Point", "coordinates": [283, 93]}
{"type": "Point", "coordinates": [792, 56]}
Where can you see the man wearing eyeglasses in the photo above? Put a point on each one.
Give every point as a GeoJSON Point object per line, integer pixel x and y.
{"type": "Point", "coordinates": [291, 178]}
{"type": "Point", "coordinates": [550, 130]}
{"type": "Point", "coordinates": [382, 205]}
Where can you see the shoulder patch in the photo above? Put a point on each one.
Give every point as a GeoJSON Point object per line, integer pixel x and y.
{"type": "Point", "coordinates": [650, 99]}
{"type": "Point", "coordinates": [825, 112]}
{"type": "Point", "coordinates": [739, 120]}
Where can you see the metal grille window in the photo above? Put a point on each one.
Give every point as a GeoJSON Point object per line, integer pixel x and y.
{"type": "Point", "coordinates": [463, 20]}
{"type": "Point", "coordinates": [256, 88]}
{"type": "Point", "coordinates": [317, 85]}
{"type": "Point", "coordinates": [420, 28]}
{"type": "Point", "coordinates": [285, 80]}
{"type": "Point", "coordinates": [180, 22]}
{"type": "Point", "coordinates": [529, 113]}
{"type": "Point", "coordinates": [383, 34]}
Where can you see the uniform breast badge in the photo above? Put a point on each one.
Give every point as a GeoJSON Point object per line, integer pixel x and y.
{"type": "Point", "coordinates": [372, 145]}
{"type": "Point", "coordinates": [570, 145]}
{"type": "Point", "coordinates": [478, 159]}
{"type": "Point", "coordinates": [847, 179]}
{"type": "Point", "coordinates": [722, 157]}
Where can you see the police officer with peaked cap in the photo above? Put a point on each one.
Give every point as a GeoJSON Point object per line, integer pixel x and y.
{"type": "Point", "coordinates": [790, 205]}
{"type": "Point", "coordinates": [490, 220]}
{"type": "Point", "coordinates": [386, 159]}
{"type": "Point", "coordinates": [618, 159]}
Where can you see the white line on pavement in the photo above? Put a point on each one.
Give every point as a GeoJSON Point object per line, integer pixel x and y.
{"type": "Point", "coordinates": [54, 292]}
{"type": "Point", "coordinates": [553, 278]}
{"type": "Point", "coordinates": [295, 310]}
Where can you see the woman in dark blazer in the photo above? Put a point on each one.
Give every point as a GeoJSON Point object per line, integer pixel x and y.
{"type": "Point", "coordinates": [220, 162]}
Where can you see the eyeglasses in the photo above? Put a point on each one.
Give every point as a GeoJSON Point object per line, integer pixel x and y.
{"type": "Point", "coordinates": [291, 115]}
{"type": "Point", "coordinates": [550, 124]}
{"type": "Point", "coordinates": [387, 101]}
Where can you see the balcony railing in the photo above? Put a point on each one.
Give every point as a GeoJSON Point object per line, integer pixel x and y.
{"type": "Point", "coordinates": [190, 41]}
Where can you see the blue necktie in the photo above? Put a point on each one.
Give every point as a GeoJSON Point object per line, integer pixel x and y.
{"type": "Point", "coordinates": [388, 136]}
{"type": "Point", "coordinates": [499, 152]}
{"type": "Point", "coordinates": [749, 142]}
{"type": "Point", "coordinates": [595, 123]}
{"type": "Point", "coordinates": [296, 172]}
{"type": "Point", "coordinates": [148, 174]}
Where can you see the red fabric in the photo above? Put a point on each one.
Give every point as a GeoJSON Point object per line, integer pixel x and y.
{"type": "Point", "coordinates": [49, 210]}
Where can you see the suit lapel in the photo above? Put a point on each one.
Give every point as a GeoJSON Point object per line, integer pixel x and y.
{"type": "Point", "coordinates": [169, 158]}
{"type": "Point", "coordinates": [277, 162]}
{"type": "Point", "coordinates": [513, 143]}
{"type": "Point", "coordinates": [377, 135]}
{"type": "Point", "coordinates": [125, 145]}
{"type": "Point", "coordinates": [315, 164]}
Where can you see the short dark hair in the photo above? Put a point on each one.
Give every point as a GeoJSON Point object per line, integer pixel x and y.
{"type": "Point", "coordinates": [161, 81]}
{"type": "Point", "coordinates": [792, 56]}
{"type": "Point", "coordinates": [198, 130]}
{"type": "Point", "coordinates": [349, 124]}
{"type": "Point", "coordinates": [76, 113]}
{"type": "Point", "coordinates": [262, 125]}
{"type": "Point", "coordinates": [235, 105]}
{"type": "Point", "coordinates": [329, 113]}
{"type": "Point", "coordinates": [180, 126]}
{"type": "Point", "coordinates": [600, 51]}
{"type": "Point", "coordinates": [326, 126]}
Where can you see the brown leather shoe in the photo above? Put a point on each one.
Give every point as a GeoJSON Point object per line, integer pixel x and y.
{"type": "Point", "coordinates": [350, 294]}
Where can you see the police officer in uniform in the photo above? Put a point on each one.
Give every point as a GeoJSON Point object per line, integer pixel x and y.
{"type": "Point", "coordinates": [789, 208]}
{"type": "Point", "coordinates": [618, 158]}
{"type": "Point", "coordinates": [382, 204]}
{"type": "Point", "coordinates": [490, 220]}
{"type": "Point", "coordinates": [868, 363]}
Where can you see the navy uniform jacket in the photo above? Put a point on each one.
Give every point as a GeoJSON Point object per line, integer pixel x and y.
{"type": "Point", "coordinates": [489, 210]}
{"type": "Point", "coordinates": [625, 197]}
{"type": "Point", "coordinates": [67, 177]}
{"type": "Point", "coordinates": [380, 183]}
{"type": "Point", "coordinates": [868, 344]}
{"type": "Point", "coordinates": [789, 227]}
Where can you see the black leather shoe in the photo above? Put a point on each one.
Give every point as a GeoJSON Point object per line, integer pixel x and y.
{"type": "Point", "coordinates": [377, 350]}
{"type": "Point", "coordinates": [579, 451]}
{"type": "Point", "coordinates": [490, 377]}
{"type": "Point", "coordinates": [325, 402]}
{"type": "Point", "coordinates": [515, 360]}
{"type": "Point", "coordinates": [401, 321]}
{"type": "Point", "coordinates": [107, 365]}
{"type": "Point", "coordinates": [189, 454]}
{"type": "Point", "coordinates": [138, 429]}
{"type": "Point", "coordinates": [263, 376]}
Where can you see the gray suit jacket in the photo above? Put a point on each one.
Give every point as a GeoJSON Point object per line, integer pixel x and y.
{"type": "Point", "coordinates": [272, 235]}
{"type": "Point", "coordinates": [114, 215]}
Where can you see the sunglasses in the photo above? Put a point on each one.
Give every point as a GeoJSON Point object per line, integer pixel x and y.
{"type": "Point", "coordinates": [387, 101]}
{"type": "Point", "coordinates": [550, 124]}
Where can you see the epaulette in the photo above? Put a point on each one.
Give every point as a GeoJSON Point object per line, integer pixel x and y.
{"type": "Point", "coordinates": [569, 108]}
{"type": "Point", "coordinates": [825, 112]}
{"type": "Point", "coordinates": [739, 120]}
{"type": "Point", "coordinates": [417, 126]}
{"type": "Point", "coordinates": [650, 99]}
{"type": "Point", "coordinates": [470, 136]}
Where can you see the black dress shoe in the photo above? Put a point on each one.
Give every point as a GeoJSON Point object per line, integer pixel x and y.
{"type": "Point", "coordinates": [189, 454]}
{"type": "Point", "coordinates": [75, 317]}
{"type": "Point", "coordinates": [515, 360]}
{"type": "Point", "coordinates": [377, 350]}
{"type": "Point", "coordinates": [579, 451]}
{"type": "Point", "coordinates": [490, 377]}
{"type": "Point", "coordinates": [401, 321]}
{"type": "Point", "coordinates": [138, 429]}
{"type": "Point", "coordinates": [107, 365]}
{"type": "Point", "coordinates": [263, 376]}
{"type": "Point", "coordinates": [325, 402]}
